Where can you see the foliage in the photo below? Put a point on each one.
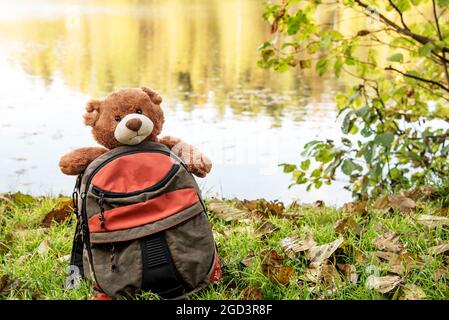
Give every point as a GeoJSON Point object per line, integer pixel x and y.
{"type": "Point", "coordinates": [33, 262]}
{"type": "Point", "coordinates": [393, 120]}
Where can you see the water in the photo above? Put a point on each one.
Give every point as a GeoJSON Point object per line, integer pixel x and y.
{"type": "Point", "coordinates": [199, 55]}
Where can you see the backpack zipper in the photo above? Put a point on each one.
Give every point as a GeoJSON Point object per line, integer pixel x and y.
{"type": "Point", "coordinates": [109, 194]}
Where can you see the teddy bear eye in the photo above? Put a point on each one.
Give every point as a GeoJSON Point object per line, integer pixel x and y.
{"type": "Point", "coordinates": [118, 118]}
{"type": "Point", "coordinates": [139, 111]}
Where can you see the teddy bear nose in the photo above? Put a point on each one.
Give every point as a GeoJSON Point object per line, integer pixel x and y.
{"type": "Point", "coordinates": [134, 124]}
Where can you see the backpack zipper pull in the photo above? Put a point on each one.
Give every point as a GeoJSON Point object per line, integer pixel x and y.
{"type": "Point", "coordinates": [101, 203]}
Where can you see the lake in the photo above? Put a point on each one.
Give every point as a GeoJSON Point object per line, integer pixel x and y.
{"type": "Point", "coordinates": [200, 55]}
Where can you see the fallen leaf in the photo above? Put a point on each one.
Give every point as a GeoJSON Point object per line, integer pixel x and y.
{"type": "Point", "coordinates": [3, 282]}
{"type": "Point", "coordinates": [248, 260]}
{"type": "Point", "coordinates": [318, 254]}
{"type": "Point", "coordinates": [389, 241]}
{"type": "Point", "coordinates": [226, 211]}
{"type": "Point", "coordinates": [442, 248]}
{"type": "Point", "coordinates": [59, 214]}
{"type": "Point", "coordinates": [4, 245]}
{"type": "Point", "coordinates": [266, 228]}
{"type": "Point", "coordinates": [433, 221]}
{"type": "Point", "coordinates": [440, 273]}
{"type": "Point", "coordinates": [412, 292]}
{"type": "Point", "coordinates": [43, 248]}
{"type": "Point", "coordinates": [313, 274]}
{"type": "Point", "coordinates": [264, 207]}
{"type": "Point", "coordinates": [395, 202]}
{"type": "Point", "coordinates": [273, 267]}
{"type": "Point", "coordinates": [421, 193]}
{"type": "Point", "coordinates": [358, 207]}
{"type": "Point", "coordinates": [346, 224]}
{"type": "Point", "coordinates": [293, 246]}
{"type": "Point", "coordinates": [252, 293]}
{"type": "Point", "coordinates": [330, 275]}
{"type": "Point", "coordinates": [382, 284]}
{"type": "Point", "coordinates": [349, 271]}
{"type": "Point", "coordinates": [319, 204]}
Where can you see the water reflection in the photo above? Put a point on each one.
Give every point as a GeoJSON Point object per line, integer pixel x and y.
{"type": "Point", "coordinates": [200, 55]}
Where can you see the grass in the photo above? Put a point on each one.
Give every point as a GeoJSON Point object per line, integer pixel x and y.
{"type": "Point", "coordinates": [34, 257]}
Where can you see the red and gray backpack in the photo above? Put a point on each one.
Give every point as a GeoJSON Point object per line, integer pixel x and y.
{"type": "Point", "coordinates": [142, 225]}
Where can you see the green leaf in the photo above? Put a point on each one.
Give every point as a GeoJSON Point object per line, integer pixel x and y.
{"type": "Point", "coordinates": [426, 49]}
{"type": "Point", "coordinates": [321, 65]}
{"type": "Point", "coordinates": [349, 166]}
{"type": "Point", "coordinates": [288, 167]}
{"type": "Point", "coordinates": [443, 3]}
{"type": "Point", "coordinates": [397, 57]}
{"type": "Point", "coordinates": [338, 65]}
{"type": "Point", "coordinates": [384, 139]}
{"type": "Point", "coordinates": [305, 165]}
{"type": "Point", "coordinates": [347, 123]}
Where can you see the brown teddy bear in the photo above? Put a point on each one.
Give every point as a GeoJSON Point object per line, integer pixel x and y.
{"type": "Point", "coordinates": [128, 117]}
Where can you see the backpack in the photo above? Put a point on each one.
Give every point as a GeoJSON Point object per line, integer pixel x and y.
{"type": "Point", "coordinates": [142, 225]}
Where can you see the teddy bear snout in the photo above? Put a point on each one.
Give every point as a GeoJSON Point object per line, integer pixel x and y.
{"type": "Point", "coordinates": [134, 124]}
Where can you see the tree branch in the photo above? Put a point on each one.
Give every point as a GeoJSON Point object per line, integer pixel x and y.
{"type": "Point", "coordinates": [440, 36]}
{"type": "Point", "coordinates": [436, 83]}
{"type": "Point", "coordinates": [400, 14]}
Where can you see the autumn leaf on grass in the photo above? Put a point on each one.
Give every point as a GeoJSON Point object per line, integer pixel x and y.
{"type": "Point", "coordinates": [433, 221]}
{"type": "Point", "coordinates": [331, 277]}
{"type": "Point", "coordinates": [395, 202]}
{"type": "Point", "coordinates": [273, 267]}
{"type": "Point", "coordinates": [442, 248]}
{"type": "Point", "coordinates": [264, 207]}
{"type": "Point", "coordinates": [266, 228]}
{"type": "Point", "coordinates": [349, 271]}
{"type": "Point", "coordinates": [412, 292]}
{"type": "Point", "coordinates": [252, 293]}
{"type": "Point", "coordinates": [226, 211]}
{"type": "Point", "coordinates": [248, 260]}
{"type": "Point", "coordinates": [348, 223]}
{"type": "Point", "coordinates": [318, 254]}
{"type": "Point", "coordinates": [441, 273]}
{"type": "Point", "coordinates": [389, 241]}
{"type": "Point", "coordinates": [358, 207]}
{"type": "Point", "coordinates": [3, 282]}
{"type": "Point", "coordinates": [382, 284]}
{"type": "Point", "coordinates": [421, 193]}
{"type": "Point", "coordinates": [293, 246]}
{"type": "Point", "coordinates": [59, 214]}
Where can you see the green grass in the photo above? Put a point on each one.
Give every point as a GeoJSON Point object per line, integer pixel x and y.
{"type": "Point", "coordinates": [34, 275]}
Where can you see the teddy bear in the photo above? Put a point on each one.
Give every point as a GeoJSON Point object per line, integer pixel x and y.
{"type": "Point", "coordinates": [130, 116]}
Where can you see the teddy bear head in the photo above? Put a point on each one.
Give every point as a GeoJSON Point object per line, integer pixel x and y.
{"type": "Point", "coordinates": [125, 117]}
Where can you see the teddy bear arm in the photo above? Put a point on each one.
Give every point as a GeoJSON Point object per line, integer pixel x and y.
{"type": "Point", "coordinates": [76, 162]}
{"type": "Point", "coordinates": [196, 161]}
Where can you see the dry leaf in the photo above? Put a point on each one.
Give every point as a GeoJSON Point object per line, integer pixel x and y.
{"type": "Point", "coordinates": [226, 211]}
{"type": "Point", "coordinates": [433, 221]}
{"type": "Point", "coordinates": [440, 273]}
{"type": "Point", "coordinates": [358, 207]}
{"type": "Point", "coordinates": [330, 275]}
{"type": "Point", "coordinates": [264, 207]}
{"type": "Point", "coordinates": [349, 271]}
{"type": "Point", "coordinates": [312, 274]}
{"type": "Point", "coordinates": [248, 260]}
{"type": "Point", "coordinates": [348, 223]}
{"type": "Point", "coordinates": [395, 202]}
{"type": "Point", "coordinates": [266, 228]}
{"type": "Point", "coordinates": [383, 284]}
{"type": "Point", "coordinates": [412, 292]}
{"type": "Point", "coordinates": [293, 246]}
{"type": "Point", "coordinates": [420, 193]}
{"type": "Point", "coordinates": [59, 214]}
{"type": "Point", "coordinates": [318, 254]}
{"type": "Point", "coordinates": [252, 293]}
{"type": "Point", "coordinates": [442, 248]}
{"type": "Point", "coordinates": [43, 248]}
{"type": "Point", "coordinates": [272, 266]}
{"type": "Point", "coordinates": [389, 242]}
{"type": "Point", "coordinates": [3, 282]}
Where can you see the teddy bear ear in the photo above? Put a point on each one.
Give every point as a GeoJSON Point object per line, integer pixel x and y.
{"type": "Point", "coordinates": [92, 114]}
{"type": "Point", "coordinates": [154, 96]}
